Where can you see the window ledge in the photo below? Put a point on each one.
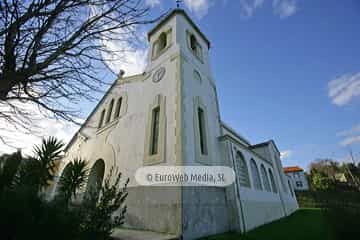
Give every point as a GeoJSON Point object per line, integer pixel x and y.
{"type": "Point", "coordinates": [161, 52]}
{"type": "Point", "coordinates": [107, 126]}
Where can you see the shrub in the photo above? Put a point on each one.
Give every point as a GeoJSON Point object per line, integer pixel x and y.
{"type": "Point", "coordinates": [344, 219]}
{"type": "Point", "coordinates": [100, 218]}
{"type": "Point", "coordinates": [25, 214]}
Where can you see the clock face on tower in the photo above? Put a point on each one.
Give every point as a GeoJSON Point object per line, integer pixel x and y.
{"type": "Point", "coordinates": [159, 74]}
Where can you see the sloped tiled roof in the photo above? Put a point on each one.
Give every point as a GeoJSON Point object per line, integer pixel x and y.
{"type": "Point", "coordinates": [293, 169]}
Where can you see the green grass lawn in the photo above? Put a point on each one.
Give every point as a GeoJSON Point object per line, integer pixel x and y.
{"type": "Point", "coordinates": [305, 224]}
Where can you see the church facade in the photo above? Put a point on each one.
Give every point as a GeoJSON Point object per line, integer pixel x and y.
{"type": "Point", "coordinates": [169, 116]}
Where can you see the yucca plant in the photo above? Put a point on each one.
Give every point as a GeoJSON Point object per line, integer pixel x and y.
{"type": "Point", "coordinates": [73, 179]}
{"type": "Point", "coordinates": [39, 170]}
{"type": "Point", "coordinates": [47, 154]}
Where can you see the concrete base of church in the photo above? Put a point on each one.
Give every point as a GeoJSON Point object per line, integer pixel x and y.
{"type": "Point", "coordinates": [193, 212]}
{"type": "Point", "coordinates": [130, 234]}
{"type": "Point", "coordinates": [155, 209]}
{"type": "Point", "coordinates": [205, 212]}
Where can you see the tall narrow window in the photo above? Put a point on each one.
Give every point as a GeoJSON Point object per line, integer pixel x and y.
{"type": "Point", "coordinates": [118, 107]}
{"type": "Point", "coordinates": [265, 178]}
{"type": "Point", "coordinates": [202, 132]}
{"type": "Point", "coordinates": [195, 46]}
{"type": "Point", "coordinates": [193, 42]}
{"type": "Point", "coordinates": [162, 41]}
{"type": "Point", "coordinates": [155, 122]}
{"type": "Point", "coordinates": [108, 117]}
{"type": "Point", "coordinates": [255, 175]}
{"type": "Point", "coordinates": [272, 180]}
{"type": "Point", "coordinates": [242, 170]}
{"type": "Point", "coordinates": [101, 118]}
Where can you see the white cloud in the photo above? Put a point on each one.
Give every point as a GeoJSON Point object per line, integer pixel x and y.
{"type": "Point", "coordinates": [41, 126]}
{"type": "Point", "coordinates": [127, 51]}
{"type": "Point", "coordinates": [249, 6]}
{"type": "Point", "coordinates": [198, 7]}
{"type": "Point", "coordinates": [285, 154]}
{"type": "Point", "coordinates": [152, 3]}
{"type": "Point", "coordinates": [350, 136]}
{"type": "Point", "coordinates": [284, 8]}
{"type": "Point", "coordinates": [348, 132]}
{"type": "Point", "coordinates": [344, 88]}
{"type": "Point", "coordinates": [350, 140]}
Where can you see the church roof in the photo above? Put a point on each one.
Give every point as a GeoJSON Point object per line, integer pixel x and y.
{"type": "Point", "coordinates": [265, 144]}
{"type": "Point", "coordinates": [293, 169]}
{"type": "Point", "coordinates": [173, 13]}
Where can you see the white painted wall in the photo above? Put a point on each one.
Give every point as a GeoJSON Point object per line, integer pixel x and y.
{"type": "Point", "coordinates": [299, 180]}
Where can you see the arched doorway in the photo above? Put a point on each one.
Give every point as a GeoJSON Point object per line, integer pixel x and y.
{"type": "Point", "coordinates": [95, 180]}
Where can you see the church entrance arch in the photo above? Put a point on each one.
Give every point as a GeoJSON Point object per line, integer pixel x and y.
{"type": "Point", "coordinates": [95, 179]}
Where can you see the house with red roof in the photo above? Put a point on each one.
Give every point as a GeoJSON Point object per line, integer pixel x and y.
{"type": "Point", "coordinates": [297, 177]}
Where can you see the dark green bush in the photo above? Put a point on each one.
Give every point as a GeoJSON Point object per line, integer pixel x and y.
{"type": "Point", "coordinates": [344, 219]}
{"type": "Point", "coordinates": [25, 214]}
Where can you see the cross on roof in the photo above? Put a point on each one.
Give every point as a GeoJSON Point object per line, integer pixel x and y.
{"type": "Point", "coordinates": [178, 3]}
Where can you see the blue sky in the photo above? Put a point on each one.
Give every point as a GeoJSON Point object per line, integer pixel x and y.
{"type": "Point", "coordinates": [287, 70]}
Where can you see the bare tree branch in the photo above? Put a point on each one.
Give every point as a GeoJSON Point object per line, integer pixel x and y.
{"type": "Point", "coordinates": [51, 52]}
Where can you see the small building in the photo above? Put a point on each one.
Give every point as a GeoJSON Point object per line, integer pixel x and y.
{"type": "Point", "coordinates": [341, 177]}
{"type": "Point", "coordinates": [298, 178]}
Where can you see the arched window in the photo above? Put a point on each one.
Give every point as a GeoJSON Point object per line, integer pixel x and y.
{"type": "Point", "coordinates": [272, 180]}
{"type": "Point", "coordinates": [242, 170]}
{"type": "Point", "coordinates": [162, 41]}
{"type": "Point", "coordinates": [265, 178]}
{"type": "Point", "coordinates": [101, 121]}
{"type": "Point", "coordinates": [290, 189]}
{"type": "Point", "coordinates": [193, 43]}
{"type": "Point", "coordinates": [197, 76]}
{"type": "Point", "coordinates": [195, 46]}
{"type": "Point", "coordinates": [255, 175]}
{"type": "Point", "coordinates": [108, 117]}
{"type": "Point", "coordinates": [118, 108]}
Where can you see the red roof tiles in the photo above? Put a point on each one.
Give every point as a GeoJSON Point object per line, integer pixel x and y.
{"type": "Point", "coordinates": [293, 169]}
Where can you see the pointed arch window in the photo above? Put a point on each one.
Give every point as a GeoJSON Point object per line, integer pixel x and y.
{"type": "Point", "coordinates": [265, 178]}
{"type": "Point", "coordinates": [162, 41]}
{"type": "Point", "coordinates": [242, 170]}
{"type": "Point", "coordinates": [272, 180]}
{"type": "Point", "coordinates": [108, 117]}
{"type": "Point", "coordinates": [102, 116]}
{"type": "Point", "coordinates": [255, 175]}
{"type": "Point", "coordinates": [118, 108]}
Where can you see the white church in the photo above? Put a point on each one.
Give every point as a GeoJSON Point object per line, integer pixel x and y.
{"type": "Point", "coordinates": [169, 116]}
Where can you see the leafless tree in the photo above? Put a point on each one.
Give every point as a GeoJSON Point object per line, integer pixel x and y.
{"type": "Point", "coordinates": [52, 52]}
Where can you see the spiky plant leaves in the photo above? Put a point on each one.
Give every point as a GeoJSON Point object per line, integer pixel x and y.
{"type": "Point", "coordinates": [47, 154]}
{"type": "Point", "coordinates": [73, 178]}
{"type": "Point", "coordinates": [37, 172]}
